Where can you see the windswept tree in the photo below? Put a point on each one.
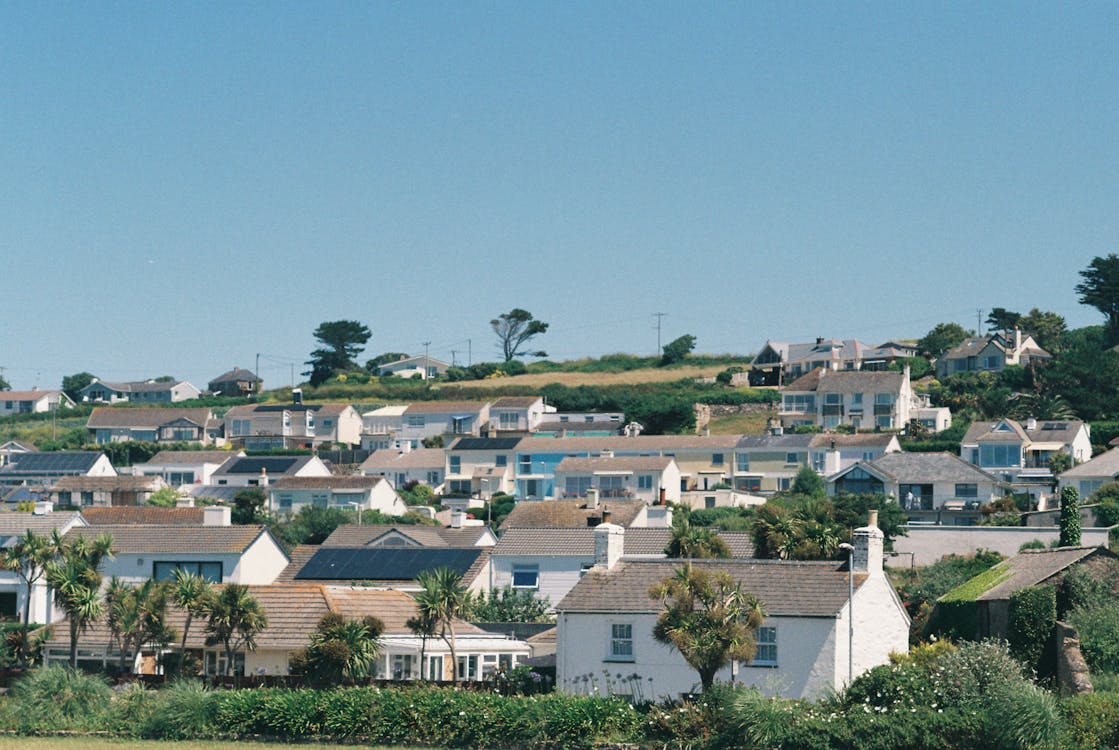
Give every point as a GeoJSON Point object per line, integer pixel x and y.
{"type": "Point", "coordinates": [694, 542]}
{"type": "Point", "coordinates": [137, 615]}
{"type": "Point", "coordinates": [514, 330]}
{"type": "Point", "coordinates": [235, 620]}
{"type": "Point", "coordinates": [1002, 319]}
{"type": "Point", "coordinates": [75, 577]}
{"type": "Point", "coordinates": [341, 650]}
{"type": "Point", "coordinates": [677, 350]}
{"type": "Point", "coordinates": [442, 600]}
{"type": "Point", "coordinates": [1100, 289]}
{"type": "Point", "coordinates": [708, 618]}
{"type": "Point", "coordinates": [341, 341]}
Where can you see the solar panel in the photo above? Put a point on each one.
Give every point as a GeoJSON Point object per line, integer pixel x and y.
{"type": "Point", "coordinates": [486, 444]}
{"type": "Point", "coordinates": [53, 461]}
{"type": "Point", "coordinates": [276, 465]}
{"type": "Point", "coordinates": [383, 564]}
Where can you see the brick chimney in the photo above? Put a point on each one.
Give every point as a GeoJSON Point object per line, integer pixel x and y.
{"type": "Point", "coordinates": [609, 544]}
{"type": "Point", "coordinates": [867, 557]}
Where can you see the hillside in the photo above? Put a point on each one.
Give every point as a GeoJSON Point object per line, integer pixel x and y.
{"type": "Point", "coordinates": [573, 379]}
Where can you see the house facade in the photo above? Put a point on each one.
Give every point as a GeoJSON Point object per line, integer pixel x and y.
{"type": "Point", "coordinates": [261, 471]}
{"type": "Point", "coordinates": [651, 479]}
{"type": "Point", "coordinates": [920, 481]}
{"type": "Point", "coordinates": [108, 424]}
{"type": "Point", "coordinates": [272, 426]}
{"type": "Point", "coordinates": [517, 415]}
{"type": "Point", "coordinates": [140, 391]}
{"type": "Point", "coordinates": [423, 465]}
{"type": "Point", "coordinates": [807, 646]}
{"type": "Point", "coordinates": [481, 467]}
{"type": "Point", "coordinates": [1091, 475]}
{"type": "Point", "coordinates": [1019, 452]}
{"type": "Point", "coordinates": [769, 463]}
{"type": "Point", "coordinates": [105, 492]}
{"type": "Point", "coordinates": [381, 428]}
{"type": "Point", "coordinates": [35, 468]}
{"type": "Point", "coordinates": [425, 419]}
{"type": "Point", "coordinates": [861, 400]}
{"type": "Point", "coordinates": [992, 353]}
{"type": "Point", "coordinates": [186, 467]}
{"type": "Point", "coordinates": [13, 591]}
{"type": "Point", "coordinates": [291, 494]}
{"type": "Point", "coordinates": [32, 402]}
{"type": "Point", "coordinates": [237, 383]}
{"type": "Point", "coordinates": [423, 368]}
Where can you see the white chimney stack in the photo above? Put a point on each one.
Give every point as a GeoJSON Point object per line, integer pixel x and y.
{"type": "Point", "coordinates": [609, 544]}
{"type": "Point", "coordinates": [592, 498]}
{"type": "Point", "coordinates": [457, 517]}
{"type": "Point", "coordinates": [216, 515]}
{"type": "Point", "coordinates": [868, 541]}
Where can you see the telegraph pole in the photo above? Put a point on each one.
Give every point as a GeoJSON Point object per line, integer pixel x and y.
{"type": "Point", "coordinates": [978, 321]}
{"type": "Point", "coordinates": [658, 316]}
{"type": "Point", "coordinates": [469, 353]}
{"type": "Point", "coordinates": [454, 362]}
{"type": "Point", "coordinates": [427, 364]}
{"type": "Point", "coordinates": [256, 374]}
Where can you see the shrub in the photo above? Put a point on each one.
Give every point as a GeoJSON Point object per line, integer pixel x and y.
{"type": "Point", "coordinates": [1070, 517]}
{"type": "Point", "coordinates": [1032, 615]}
{"type": "Point", "coordinates": [1090, 721]}
{"type": "Point", "coordinates": [185, 710]}
{"type": "Point", "coordinates": [1098, 626]}
{"type": "Point", "coordinates": [51, 698]}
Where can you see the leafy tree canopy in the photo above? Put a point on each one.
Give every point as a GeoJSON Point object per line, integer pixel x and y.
{"type": "Point", "coordinates": [384, 359]}
{"type": "Point", "coordinates": [677, 350]}
{"type": "Point", "coordinates": [941, 338]}
{"type": "Point", "coordinates": [248, 506]}
{"type": "Point", "coordinates": [514, 330]}
{"type": "Point", "coordinates": [1002, 319]}
{"type": "Point", "coordinates": [808, 482]}
{"type": "Point", "coordinates": [1048, 328]}
{"type": "Point", "coordinates": [1100, 289]}
{"type": "Point", "coordinates": [341, 341]}
{"type": "Point", "coordinates": [508, 605]}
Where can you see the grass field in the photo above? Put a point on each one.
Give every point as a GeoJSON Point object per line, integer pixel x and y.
{"type": "Point", "coordinates": [104, 743]}
{"type": "Point", "coordinates": [629, 377]}
{"type": "Point", "coordinates": [739, 424]}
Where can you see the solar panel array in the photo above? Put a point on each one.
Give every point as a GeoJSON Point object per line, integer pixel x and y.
{"type": "Point", "coordinates": [254, 465]}
{"type": "Point", "coordinates": [383, 564]}
{"type": "Point", "coordinates": [53, 461]}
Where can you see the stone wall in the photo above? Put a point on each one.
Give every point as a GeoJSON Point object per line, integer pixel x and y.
{"type": "Point", "coordinates": [1072, 671]}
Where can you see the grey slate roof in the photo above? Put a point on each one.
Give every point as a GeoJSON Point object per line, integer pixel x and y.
{"type": "Point", "coordinates": [842, 440]}
{"type": "Point", "coordinates": [615, 464]}
{"type": "Point", "coordinates": [274, 465]}
{"type": "Point", "coordinates": [1034, 566]}
{"type": "Point", "coordinates": [926, 468]}
{"type": "Point", "coordinates": [192, 457]}
{"type": "Point", "coordinates": [580, 542]}
{"type": "Point", "coordinates": [1047, 431]}
{"type": "Point", "coordinates": [356, 482]}
{"type": "Point", "coordinates": [417, 458]}
{"type": "Point", "coordinates": [484, 444]}
{"type": "Point", "coordinates": [781, 442]}
{"type": "Point", "coordinates": [807, 589]}
{"type": "Point", "coordinates": [118, 416]}
{"type": "Point", "coordinates": [569, 513]}
{"type": "Point", "coordinates": [156, 539]}
{"type": "Point", "coordinates": [1103, 465]}
{"type": "Point", "coordinates": [235, 375]}
{"type": "Point", "coordinates": [352, 535]}
{"type": "Point", "coordinates": [16, 524]}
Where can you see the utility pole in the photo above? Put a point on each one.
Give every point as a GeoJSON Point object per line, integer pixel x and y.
{"type": "Point", "coordinates": [427, 364]}
{"type": "Point", "coordinates": [292, 374]}
{"type": "Point", "coordinates": [469, 354]}
{"type": "Point", "coordinates": [256, 374]}
{"type": "Point", "coordinates": [658, 316]}
{"type": "Point", "coordinates": [454, 362]}
{"type": "Point", "coordinates": [978, 321]}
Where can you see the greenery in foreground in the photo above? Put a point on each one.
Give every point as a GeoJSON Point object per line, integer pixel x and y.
{"type": "Point", "coordinates": [937, 697]}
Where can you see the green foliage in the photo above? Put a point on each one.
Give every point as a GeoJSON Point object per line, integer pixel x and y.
{"type": "Point", "coordinates": [727, 518]}
{"type": "Point", "coordinates": [164, 498]}
{"type": "Point", "coordinates": [497, 508]}
{"type": "Point", "coordinates": [919, 588]}
{"type": "Point", "coordinates": [955, 614]}
{"type": "Point", "coordinates": [1090, 721]}
{"type": "Point", "coordinates": [979, 584]}
{"type": "Point", "coordinates": [708, 618]}
{"type": "Point", "coordinates": [340, 342]}
{"type": "Point", "coordinates": [941, 338]}
{"type": "Point", "coordinates": [809, 483]}
{"type": "Point", "coordinates": [185, 709]}
{"type": "Point", "coordinates": [340, 650]}
{"type": "Point", "coordinates": [1099, 288]}
{"type": "Point", "coordinates": [416, 493]}
{"type": "Point", "coordinates": [1070, 517]}
{"type": "Point", "coordinates": [677, 350]}
{"type": "Point", "coordinates": [1097, 623]}
{"type": "Point", "coordinates": [1059, 462]}
{"type": "Point", "coordinates": [248, 506]}
{"type": "Point", "coordinates": [71, 384]}
{"type": "Point", "coordinates": [53, 698]}
{"type": "Point", "coordinates": [1083, 586]}
{"type": "Point", "coordinates": [235, 619]}
{"type": "Point", "coordinates": [514, 330]}
{"type": "Point", "coordinates": [433, 441]}
{"type": "Point", "coordinates": [1032, 617]}
{"type": "Point", "coordinates": [725, 376]}
{"type": "Point", "coordinates": [692, 541]}
{"type": "Point", "coordinates": [1048, 329]}
{"type": "Point", "coordinates": [508, 605]}
{"type": "Point", "coordinates": [1086, 375]}
{"type": "Point", "coordinates": [1001, 319]}
{"type": "Point", "coordinates": [919, 367]}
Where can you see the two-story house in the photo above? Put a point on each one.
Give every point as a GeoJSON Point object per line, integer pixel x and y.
{"type": "Point", "coordinates": [517, 415]}
{"type": "Point", "coordinates": [420, 465]}
{"type": "Point", "coordinates": [831, 452]}
{"type": "Point", "coordinates": [261, 471]}
{"type": "Point", "coordinates": [381, 428]}
{"type": "Point", "coordinates": [652, 479]}
{"type": "Point", "coordinates": [992, 353]}
{"type": "Point", "coordinates": [32, 402]}
{"type": "Point", "coordinates": [920, 481]}
{"type": "Point", "coordinates": [237, 383]}
{"type": "Point", "coordinates": [186, 467]}
{"type": "Point", "coordinates": [769, 463]}
{"type": "Point", "coordinates": [139, 391]}
{"type": "Point", "coordinates": [879, 400]}
{"type": "Point", "coordinates": [779, 362]}
{"type": "Point", "coordinates": [481, 467]}
{"type": "Point", "coordinates": [425, 419]}
{"type": "Point", "coordinates": [1019, 452]}
{"type": "Point", "coordinates": [108, 424]}
{"type": "Point", "coordinates": [270, 426]}
{"type": "Point", "coordinates": [291, 494]}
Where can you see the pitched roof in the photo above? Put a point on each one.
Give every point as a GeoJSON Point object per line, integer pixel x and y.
{"type": "Point", "coordinates": [52, 462]}
{"type": "Point", "coordinates": [395, 564]}
{"type": "Point", "coordinates": [971, 347]}
{"type": "Point", "coordinates": [484, 444]}
{"type": "Point", "coordinates": [235, 375]}
{"type": "Point", "coordinates": [1045, 431]}
{"type": "Point", "coordinates": [16, 523]}
{"type": "Point", "coordinates": [985, 432]}
{"type": "Point", "coordinates": [603, 425]}
{"type": "Point", "coordinates": [117, 416]}
{"type": "Point", "coordinates": [352, 535]}
{"type": "Point", "coordinates": [1031, 567]}
{"type": "Point", "coordinates": [580, 542]}
{"type": "Point", "coordinates": [297, 558]}
{"type": "Point", "coordinates": [26, 395]}
{"type": "Point", "coordinates": [128, 539]}
{"type": "Point", "coordinates": [569, 513]}
{"type": "Point", "coordinates": [781, 442]}
{"type": "Point", "coordinates": [1103, 465]}
{"type": "Point", "coordinates": [273, 465]}
{"type": "Point", "coordinates": [615, 464]}
{"type": "Point", "coordinates": [143, 515]}
{"type": "Point", "coordinates": [621, 444]}
{"type": "Point", "coordinates": [927, 468]}
{"type": "Point", "coordinates": [842, 440]}
{"type": "Point", "coordinates": [515, 402]}
{"type": "Point", "coordinates": [417, 458]}
{"type": "Point", "coordinates": [808, 589]}
{"type": "Point", "coordinates": [445, 407]}
{"type": "Point", "coordinates": [122, 483]}
{"type": "Point", "coordinates": [192, 457]}
{"type": "Point", "coordinates": [393, 608]}
{"type": "Point", "coordinates": [332, 483]}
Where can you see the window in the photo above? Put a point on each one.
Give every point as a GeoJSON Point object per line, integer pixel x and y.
{"type": "Point", "coordinates": [87, 498]}
{"type": "Point", "coordinates": [283, 499]}
{"type": "Point", "coordinates": [868, 455]}
{"type": "Point", "coordinates": [717, 459]}
{"type": "Point", "coordinates": [885, 422]}
{"type": "Point", "coordinates": [216, 661]}
{"type": "Point", "coordinates": [501, 461]}
{"type": "Point", "coordinates": [8, 608]}
{"type": "Point", "coordinates": [468, 667]}
{"type": "Point", "coordinates": [320, 499]}
{"type": "Point", "coordinates": [799, 403]}
{"type": "Point", "coordinates": [509, 420]}
{"type": "Point", "coordinates": [831, 422]}
{"type": "Point", "coordinates": [991, 363]}
{"type": "Point", "coordinates": [402, 667]}
{"type": "Point", "coordinates": [856, 400]}
{"type": "Point", "coordinates": [456, 464]}
{"type": "Point", "coordinates": [765, 640]}
{"type": "Point", "coordinates": [884, 399]}
{"type": "Point", "coordinates": [415, 420]}
{"type": "Point", "coordinates": [741, 461]}
{"type": "Point", "coordinates": [165, 571]}
{"type": "Point", "coordinates": [524, 463]}
{"type": "Point", "coordinates": [526, 576]}
{"type": "Point", "coordinates": [818, 461]}
{"type": "Point", "coordinates": [240, 427]}
{"type": "Point", "coordinates": [576, 486]}
{"type": "Point", "coordinates": [791, 459]}
{"type": "Point", "coordinates": [1000, 455]}
{"type": "Point", "coordinates": [435, 668]}
{"type": "Point", "coordinates": [611, 486]}
{"type": "Point", "coordinates": [401, 480]}
{"type": "Point", "coordinates": [967, 490]}
{"type": "Point", "coordinates": [645, 482]}
{"type": "Point", "coordinates": [833, 399]}
{"type": "Point", "coordinates": [621, 642]}
{"type": "Point", "coordinates": [433, 478]}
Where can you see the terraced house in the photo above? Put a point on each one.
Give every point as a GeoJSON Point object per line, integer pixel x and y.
{"type": "Point", "coordinates": [879, 400]}
{"type": "Point", "coordinates": [268, 426]}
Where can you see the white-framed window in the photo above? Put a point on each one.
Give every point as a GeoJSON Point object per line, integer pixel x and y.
{"type": "Point", "coordinates": [884, 399]}
{"type": "Point", "coordinates": [500, 460]}
{"type": "Point", "coordinates": [644, 481]}
{"type": "Point", "coordinates": [818, 461]}
{"type": "Point", "coordinates": [526, 576]}
{"type": "Point", "coordinates": [765, 641]}
{"type": "Point", "coordinates": [456, 464]}
{"type": "Point", "coordinates": [967, 490]}
{"type": "Point", "coordinates": [791, 459]}
{"type": "Point", "coordinates": [856, 399]}
{"type": "Point", "coordinates": [240, 427]}
{"type": "Point", "coordinates": [433, 478]}
{"type": "Point", "coordinates": [402, 666]}
{"type": "Point", "coordinates": [717, 459]}
{"type": "Point", "coordinates": [468, 667]}
{"type": "Point", "coordinates": [831, 422]}
{"type": "Point", "coordinates": [509, 420]}
{"type": "Point", "coordinates": [741, 461]}
{"type": "Point", "coordinates": [576, 486]}
{"type": "Point", "coordinates": [868, 455]}
{"type": "Point", "coordinates": [621, 641]}
{"type": "Point", "coordinates": [415, 420]}
{"type": "Point", "coordinates": [833, 399]}
{"type": "Point", "coordinates": [435, 668]}
{"type": "Point", "coordinates": [884, 421]}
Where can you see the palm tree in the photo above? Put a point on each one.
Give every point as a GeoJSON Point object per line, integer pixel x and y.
{"type": "Point", "coordinates": [236, 618]}
{"type": "Point", "coordinates": [343, 650]}
{"type": "Point", "coordinates": [137, 615]}
{"type": "Point", "coordinates": [192, 593]}
{"type": "Point", "coordinates": [695, 542]}
{"type": "Point", "coordinates": [443, 600]}
{"type": "Point", "coordinates": [707, 618]}
{"type": "Point", "coordinates": [27, 558]}
{"type": "Point", "coordinates": [423, 626]}
{"type": "Point", "coordinates": [76, 579]}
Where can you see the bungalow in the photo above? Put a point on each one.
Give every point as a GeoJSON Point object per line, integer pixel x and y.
{"type": "Point", "coordinates": [422, 465]}
{"type": "Point", "coordinates": [386, 566]}
{"type": "Point", "coordinates": [113, 424]}
{"type": "Point", "coordinates": [992, 353]}
{"type": "Point", "coordinates": [237, 383]}
{"type": "Point", "coordinates": [105, 492]}
{"type": "Point", "coordinates": [581, 424]}
{"type": "Point", "coordinates": [382, 535]}
{"type": "Point", "coordinates": [422, 368]}
{"type": "Point", "coordinates": [186, 467]}
{"type": "Point", "coordinates": [653, 479]}
{"type": "Point", "coordinates": [425, 419]}
{"type": "Point", "coordinates": [270, 426]}
{"type": "Point", "coordinates": [142, 391]}
{"type": "Point", "coordinates": [828, 399]}
{"type": "Point", "coordinates": [807, 646]}
{"type": "Point", "coordinates": [10, 448]}
{"type": "Point", "coordinates": [567, 514]}
{"type": "Point", "coordinates": [254, 471]}
{"type": "Point", "coordinates": [13, 591]}
{"type": "Point", "coordinates": [1091, 475]}
{"type": "Point", "coordinates": [291, 494]}
{"type": "Point", "coordinates": [33, 402]}
{"type": "Point", "coordinates": [1019, 452]}
{"type": "Point", "coordinates": [45, 468]}
{"type": "Point", "coordinates": [151, 515]}
{"type": "Point", "coordinates": [222, 554]}
{"type": "Point", "coordinates": [920, 481]}
{"type": "Point", "coordinates": [780, 361]}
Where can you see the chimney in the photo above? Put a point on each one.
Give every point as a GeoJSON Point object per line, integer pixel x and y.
{"type": "Point", "coordinates": [606, 515]}
{"type": "Point", "coordinates": [592, 498]}
{"type": "Point", "coordinates": [216, 515]}
{"type": "Point", "coordinates": [1031, 423]}
{"type": "Point", "coordinates": [609, 544]}
{"type": "Point", "coordinates": [819, 340]}
{"type": "Point", "coordinates": [457, 517]}
{"type": "Point", "coordinates": [1017, 340]}
{"type": "Point", "coordinates": [263, 477]}
{"type": "Point", "coordinates": [663, 496]}
{"type": "Point", "coordinates": [43, 508]}
{"type": "Point", "coordinates": [867, 557]}
{"type": "Point", "coordinates": [297, 396]}
{"type": "Point", "coordinates": [185, 501]}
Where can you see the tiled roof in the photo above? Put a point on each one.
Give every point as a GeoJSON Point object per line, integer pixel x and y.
{"type": "Point", "coordinates": [26, 395]}
{"type": "Point", "coordinates": [781, 442]}
{"type": "Point", "coordinates": [580, 542]}
{"type": "Point", "coordinates": [569, 513]}
{"type": "Point", "coordinates": [192, 457]}
{"type": "Point", "coordinates": [615, 464]}
{"type": "Point", "coordinates": [352, 535]}
{"type": "Point", "coordinates": [1046, 431]}
{"type": "Point", "coordinates": [393, 608]}
{"type": "Point", "coordinates": [16, 523]}
{"type": "Point", "coordinates": [809, 589]}
{"type": "Point", "coordinates": [129, 539]}
{"type": "Point", "coordinates": [1103, 465]}
{"type": "Point", "coordinates": [237, 374]}
{"type": "Point", "coordinates": [445, 407]}
{"type": "Point", "coordinates": [297, 558]}
{"type": "Point", "coordinates": [117, 416]}
{"type": "Point", "coordinates": [841, 440]}
{"type": "Point", "coordinates": [515, 402]}
{"type": "Point", "coordinates": [1031, 567]}
{"type": "Point", "coordinates": [806, 382]}
{"type": "Point", "coordinates": [622, 444]}
{"type": "Point", "coordinates": [484, 444]}
{"type": "Point", "coordinates": [417, 458]}
{"type": "Point", "coordinates": [140, 483]}
{"type": "Point", "coordinates": [855, 381]}
{"type": "Point", "coordinates": [971, 347]}
{"type": "Point", "coordinates": [331, 482]}
{"type": "Point", "coordinates": [143, 515]}
{"type": "Point", "coordinates": [926, 468]}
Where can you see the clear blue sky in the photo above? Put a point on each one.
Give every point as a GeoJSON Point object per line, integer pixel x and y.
{"type": "Point", "coordinates": [186, 185]}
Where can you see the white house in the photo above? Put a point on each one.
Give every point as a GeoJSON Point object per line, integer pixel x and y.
{"type": "Point", "coordinates": [649, 478]}
{"type": "Point", "coordinates": [296, 425]}
{"type": "Point", "coordinates": [380, 428]}
{"type": "Point", "coordinates": [105, 491]}
{"type": "Point", "coordinates": [517, 415]}
{"type": "Point", "coordinates": [46, 467]}
{"type": "Point", "coordinates": [831, 452]}
{"type": "Point", "coordinates": [260, 471]}
{"type": "Point", "coordinates": [1091, 475]}
{"type": "Point", "coordinates": [425, 419]}
{"type": "Point", "coordinates": [290, 494]}
{"type": "Point", "coordinates": [805, 648]}
{"type": "Point", "coordinates": [422, 465]}
{"type": "Point", "coordinates": [992, 353]}
{"type": "Point", "coordinates": [1019, 452]}
{"type": "Point", "coordinates": [13, 592]}
{"type": "Point", "coordinates": [481, 467]}
{"type": "Point", "coordinates": [139, 391]}
{"type": "Point", "coordinates": [33, 402]}
{"type": "Point", "coordinates": [415, 367]}
{"type": "Point", "coordinates": [186, 467]}
{"type": "Point", "coordinates": [861, 399]}
{"type": "Point", "coordinates": [920, 481]}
